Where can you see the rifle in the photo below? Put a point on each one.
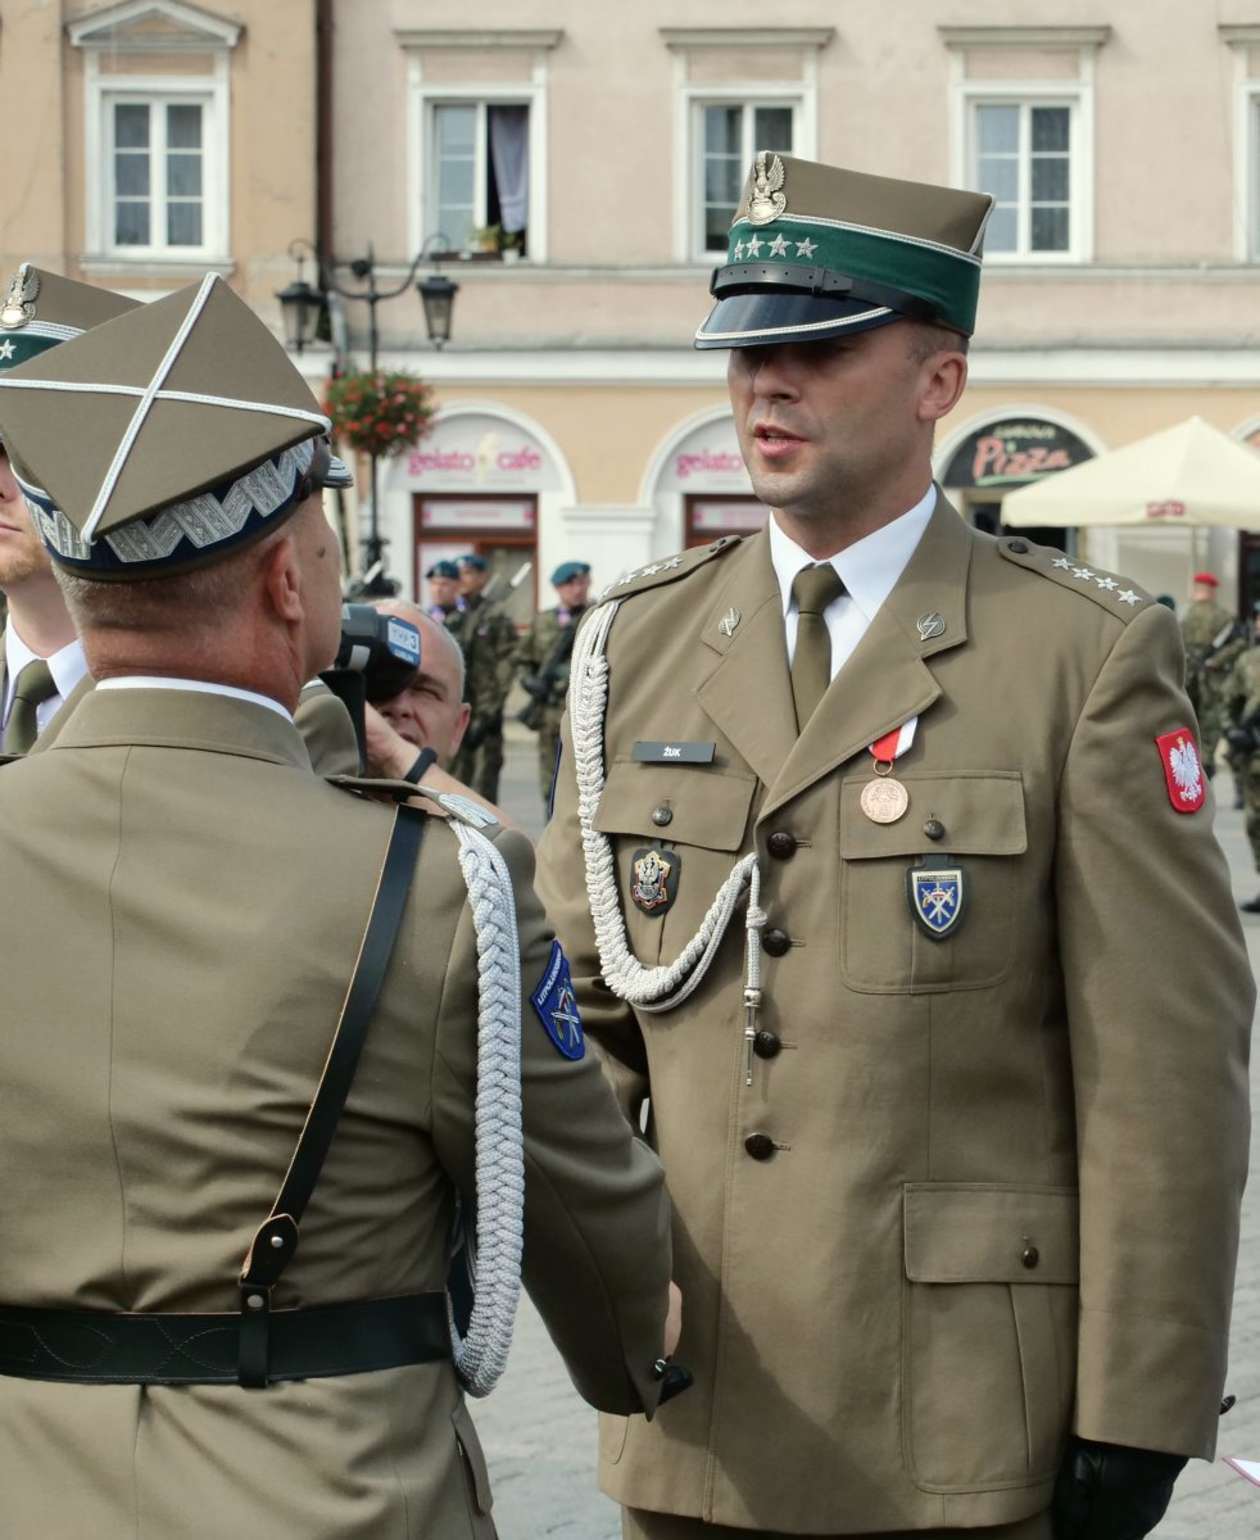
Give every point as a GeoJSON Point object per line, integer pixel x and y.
{"type": "Point", "coordinates": [541, 685]}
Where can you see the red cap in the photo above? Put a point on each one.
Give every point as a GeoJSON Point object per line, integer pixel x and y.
{"type": "Point", "coordinates": [1206, 579]}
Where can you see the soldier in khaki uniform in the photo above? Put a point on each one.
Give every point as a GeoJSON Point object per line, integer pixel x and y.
{"type": "Point", "coordinates": [489, 642]}
{"type": "Point", "coordinates": [42, 668]}
{"type": "Point", "coordinates": [184, 1352]}
{"type": "Point", "coordinates": [884, 857]}
{"type": "Point", "coordinates": [542, 659]}
{"type": "Point", "coordinates": [1213, 641]}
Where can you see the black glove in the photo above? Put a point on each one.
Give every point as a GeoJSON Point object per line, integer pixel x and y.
{"type": "Point", "coordinates": [674, 1378]}
{"type": "Point", "coordinates": [535, 685]}
{"type": "Point", "coordinates": [1111, 1492]}
{"type": "Point", "coordinates": [1241, 738]}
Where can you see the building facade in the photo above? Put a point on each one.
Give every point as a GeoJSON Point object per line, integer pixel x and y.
{"type": "Point", "coordinates": [579, 166]}
{"type": "Point", "coordinates": [584, 163]}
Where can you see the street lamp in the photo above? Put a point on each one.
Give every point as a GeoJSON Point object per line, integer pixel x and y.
{"type": "Point", "coordinates": [437, 294]}
{"type": "Point", "coordinates": [300, 305]}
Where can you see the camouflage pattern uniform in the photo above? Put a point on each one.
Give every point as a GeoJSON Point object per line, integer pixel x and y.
{"type": "Point", "coordinates": [488, 639]}
{"type": "Point", "coordinates": [537, 647]}
{"type": "Point", "coordinates": [1208, 668]}
{"type": "Point", "coordinates": [1242, 702]}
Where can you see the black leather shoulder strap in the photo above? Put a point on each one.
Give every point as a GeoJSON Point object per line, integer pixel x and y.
{"type": "Point", "coordinates": [276, 1241]}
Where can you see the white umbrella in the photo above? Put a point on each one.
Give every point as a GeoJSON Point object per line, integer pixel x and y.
{"type": "Point", "coordinates": [1192, 474]}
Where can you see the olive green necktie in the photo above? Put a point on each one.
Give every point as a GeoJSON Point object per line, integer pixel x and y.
{"type": "Point", "coordinates": [813, 588]}
{"type": "Point", "coordinates": [34, 686]}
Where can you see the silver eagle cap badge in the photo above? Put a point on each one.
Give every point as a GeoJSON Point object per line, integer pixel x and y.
{"type": "Point", "coordinates": [19, 303]}
{"type": "Point", "coordinates": [768, 200]}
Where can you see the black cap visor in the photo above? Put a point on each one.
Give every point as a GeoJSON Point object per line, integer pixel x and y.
{"type": "Point", "coordinates": [763, 303]}
{"type": "Point", "coordinates": [758, 319]}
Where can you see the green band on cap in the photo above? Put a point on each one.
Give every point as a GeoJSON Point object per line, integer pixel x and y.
{"type": "Point", "coordinates": [947, 280]}
{"type": "Point", "coordinates": [17, 347]}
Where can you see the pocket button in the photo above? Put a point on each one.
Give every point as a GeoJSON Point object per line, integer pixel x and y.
{"type": "Point", "coordinates": [1031, 1256]}
{"type": "Point", "coordinates": [759, 1146]}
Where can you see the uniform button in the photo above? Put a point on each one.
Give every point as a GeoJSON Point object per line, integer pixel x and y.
{"type": "Point", "coordinates": [662, 815]}
{"type": "Point", "coordinates": [1019, 547]}
{"type": "Point", "coordinates": [934, 829]}
{"type": "Point", "coordinates": [1030, 1257]}
{"type": "Point", "coordinates": [766, 1044]}
{"type": "Point", "coordinates": [776, 942]}
{"type": "Point", "coordinates": [759, 1146]}
{"type": "Point", "coordinates": [781, 845]}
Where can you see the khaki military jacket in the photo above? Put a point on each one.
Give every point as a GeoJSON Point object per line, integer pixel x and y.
{"type": "Point", "coordinates": [984, 1188]}
{"type": "Point", "coordinates": [182, 907]}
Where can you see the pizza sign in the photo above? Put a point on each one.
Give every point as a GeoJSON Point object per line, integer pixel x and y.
{"type": "Point", "coordinates": [1014, 453]}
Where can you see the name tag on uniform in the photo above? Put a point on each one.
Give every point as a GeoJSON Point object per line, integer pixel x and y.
{"type": "Point", "coordinates": [674, 753]}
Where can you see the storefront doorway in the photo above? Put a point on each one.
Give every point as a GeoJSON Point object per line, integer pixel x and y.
{"type": "Point", "coordinates": [1005, 453]}
{"type": "Point", "coordinates": [502, 529]}
{"type": "Point", "coordinates": [481, 481]}
{"type": "Point", "coordinates": [709, 517]}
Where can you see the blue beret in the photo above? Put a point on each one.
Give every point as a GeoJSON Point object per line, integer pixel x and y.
{"type": "Point", "coordinates": [568, 570]}
{"type": "Point", "coordinates": [446, 569]}
{"type": "Point", "coordinates": [478, 563]}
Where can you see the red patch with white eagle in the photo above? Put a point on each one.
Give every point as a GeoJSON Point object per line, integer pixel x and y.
{"type": "Point", "coordinates": [1183, 770]}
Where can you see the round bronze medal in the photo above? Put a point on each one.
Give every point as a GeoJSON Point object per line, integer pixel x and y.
{"type": "Point", "coordinates": [884, 800]}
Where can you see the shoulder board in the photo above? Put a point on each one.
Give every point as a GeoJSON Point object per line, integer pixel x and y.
{"type": "Point", "coordinates": [438, 804]}
{"type": "Point", "coordinates": [669, 569]}
{"type": "Point", "coordinates": [1115, 594]}
{"type": "Point", "coordinates": [378, 789]}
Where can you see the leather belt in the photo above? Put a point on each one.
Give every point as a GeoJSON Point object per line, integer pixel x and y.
{"type": "Point", "coordinates": [86, 1347]}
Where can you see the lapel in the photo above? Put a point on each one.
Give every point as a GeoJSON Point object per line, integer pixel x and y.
{"type": "Point", "coordinates": [217, 724]}
{"type": "Point", "coordinates": [748, 694]}
{"type": "Point", "coordinates": [886, 681]}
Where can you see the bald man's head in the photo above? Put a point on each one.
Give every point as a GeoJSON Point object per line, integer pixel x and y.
{"type": "Point", "coordinates": [431, 712]}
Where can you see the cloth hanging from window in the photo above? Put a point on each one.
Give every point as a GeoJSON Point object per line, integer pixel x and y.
{"type": "Point", "coordinates": [509, 149]}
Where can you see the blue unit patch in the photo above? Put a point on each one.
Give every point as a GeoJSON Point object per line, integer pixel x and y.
{"type": "Point", "coordinates": [936, 898]}
{"type": "Point", "coordinates": [556, 1005]}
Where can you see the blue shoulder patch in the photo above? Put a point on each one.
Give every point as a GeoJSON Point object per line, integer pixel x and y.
{"type": "Point", "coordinates": [556, 1005]}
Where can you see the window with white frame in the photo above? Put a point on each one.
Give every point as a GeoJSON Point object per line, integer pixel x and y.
{"type": "Point", "coordinates": [726, 135]}
{"type": "Point", "coordinates": [477, 189]}
{"type": "Point", "coordinates": [1024, 153]}
{"type": "Point", "coordinates": [156, 183]}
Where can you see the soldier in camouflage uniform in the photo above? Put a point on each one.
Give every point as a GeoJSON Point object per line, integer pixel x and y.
{"type": "Point", "coordinates": [1242, 703]}
{"type": "Point", "coordinates": [1213, 641]}
{"type": "Point", "coordinates": [542, 660]}
{"type": "Point", "coordinates": [489, 641]}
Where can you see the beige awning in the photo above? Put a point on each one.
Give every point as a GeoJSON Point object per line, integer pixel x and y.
{"type": "Point", "coordinates": [1191, 474]}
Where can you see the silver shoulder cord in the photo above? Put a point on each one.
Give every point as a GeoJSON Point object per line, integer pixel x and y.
{"type": "Point", "coordinates": [481, 1356]}
{"type": "Point", "coordinates": [663, 987]}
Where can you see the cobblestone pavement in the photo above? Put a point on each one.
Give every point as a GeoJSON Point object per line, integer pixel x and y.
{"type": "Point", "coordinates": [540, 1438]}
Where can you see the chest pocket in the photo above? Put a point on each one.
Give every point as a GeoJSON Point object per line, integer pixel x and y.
{"type": "Point", "coordinates": [698, 812]}
{"type": "Point", "coordinates": [883, 948]}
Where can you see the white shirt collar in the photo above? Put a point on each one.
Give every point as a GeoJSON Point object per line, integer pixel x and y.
{"type": "Point", "coordinates": [869, 568]}
{"type": "Point", "coordinates": [202, 686]}
{"type": "Point", "coordinates": [67, 665]}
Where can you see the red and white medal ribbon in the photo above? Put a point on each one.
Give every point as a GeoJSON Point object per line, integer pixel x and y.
{"type": "Point", "coordinates": [888, 749]}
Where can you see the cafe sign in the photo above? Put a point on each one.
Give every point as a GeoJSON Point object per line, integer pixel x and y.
{"type": "Point", "coordinates": [1013, 453]}
{"type": "Point", "coordinates": [475, 452]}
